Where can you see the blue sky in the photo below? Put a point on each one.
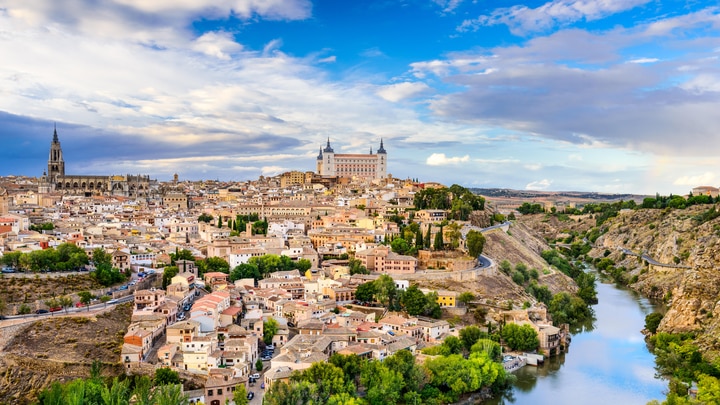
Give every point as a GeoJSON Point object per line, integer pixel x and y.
{"type": "Point", "coordinates": [608, 95]}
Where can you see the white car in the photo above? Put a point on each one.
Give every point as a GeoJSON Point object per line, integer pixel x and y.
{"type": "Point", "coordinates": [255, 376]}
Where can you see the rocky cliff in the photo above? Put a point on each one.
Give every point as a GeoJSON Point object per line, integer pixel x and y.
{"type": "Point", "coordinates": [670, 254]}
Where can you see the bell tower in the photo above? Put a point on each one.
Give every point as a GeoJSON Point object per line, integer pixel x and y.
{"type": "Point", "coordinates": [56, 164]}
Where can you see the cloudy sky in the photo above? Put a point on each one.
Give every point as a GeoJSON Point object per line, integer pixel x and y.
{"type": "Point", "coordinates": [591, 95]}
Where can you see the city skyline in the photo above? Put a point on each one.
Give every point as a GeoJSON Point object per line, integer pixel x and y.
{"type": "Point", "coordinates": [612, 96]}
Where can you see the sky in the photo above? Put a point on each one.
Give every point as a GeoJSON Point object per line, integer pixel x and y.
{"type": "Point", "coordinates": [614, 96]}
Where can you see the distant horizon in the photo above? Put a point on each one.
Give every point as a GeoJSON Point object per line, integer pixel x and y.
{"type": "Point", "coordinates": [611, 96]}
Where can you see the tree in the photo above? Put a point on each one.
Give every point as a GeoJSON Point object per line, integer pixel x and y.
{"type": "Point", "coordinates": [350, 364]}
{"type": "Point", "coordinates": [205, 218]}
{"type": "Point", "coordinates": [212, 264]}
{"type": "Point", "coordinates": [419, 239]}
{"type": "Point", "coordinates": [65, 302]}
{"type": "Point", "coordinates": [453, 344]}
{"type": "Point", "coordinates": [86, 297]}
{"type": "Point", "coordinates": [523, 338]}
{"type": "Point", "coordinates": [383, 385]}
{"type": "Point", "coordinates": [400, 246]}
{"type": "Point", "coordinates": [426, 241]}
{"type": "Point", "coordinates": [143, 393]}
{"type": "Point", "coordinates": [326, 378]}
{"type": "Point", "coordinates": [240, 395]}
{"type": "Point", "coordinates": [466, 297]}
{"type": "Point", "coordinates": [470, 335]}
{"type": "Point", "coordinates": [118, 393]}
{"type": "Point", "coordinates": [413, 300]}
{"type": "Point", "coordinates": [270, 328]}
{"type": "Point", "coordinates": [385, 290]}
{"type": "Point", "coordinates": [182, 254]}
{"type": "Point", "coordinates": [356, 267]}
{"type": "Point", "coordinates": [100, 256]}
{"type": "Point", "coordinates": [652, 321]}
{"type": "Point", "coordinates": [453, 234]}
{"type": "Point", "coordinates": [475, 242]}
{"type": "Point", "coordinates": [245, 270]}
{"type": "Point", "coordinates": [105, 298]}
{"type": "Point", "coordinates": [365, 292]}
{"type": "Point", "coordinates": [168, 273]}
{"type": "Point", "coordinates": [259, 365]}
{"type": "Point", "coordinates": [439, 244]}
{"type": "Point", "coordinates": [170, 395]}
{"type": "Point", "coordinates": [24, 309]}
{"type": "Point", "coordinates": [165, 375]}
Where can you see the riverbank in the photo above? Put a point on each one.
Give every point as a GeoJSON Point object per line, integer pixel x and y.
{"type": "Point", "coordinates": [608, 361]}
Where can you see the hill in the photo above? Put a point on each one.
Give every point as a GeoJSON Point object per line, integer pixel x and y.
{"type": "Point", "coordinates": [59, 349]}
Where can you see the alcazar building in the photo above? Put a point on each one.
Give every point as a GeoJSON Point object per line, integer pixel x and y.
{"type": "Point", "coordinates": [364, 166]}
{"type": "Point", "coordinates": [55, 179]}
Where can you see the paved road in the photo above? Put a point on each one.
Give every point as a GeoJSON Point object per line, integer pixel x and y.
{"type": "Point", "coordinates": [69, 311]}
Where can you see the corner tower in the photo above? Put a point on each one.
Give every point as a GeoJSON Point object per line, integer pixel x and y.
{"type": "Point", "coordinates": [381, 171]}
{"type": "Point", "coordinates": [56, 164]}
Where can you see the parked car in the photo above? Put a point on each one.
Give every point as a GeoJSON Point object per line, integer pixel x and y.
{"type": "Point", "coordinates": [42, 311]}
{"type": "Point", "coordinates": [270, 347]}
{"type": "Point", "coordinates": [8, 270]}
{"type": "Point", "coordinates": [262, 386]}
{"type": "Point", "coordinates": [251, 395]}
{"type": "Point", "coordinates": [124, 287]}
{"type": "Point", "coordinates": [255, 376]}
{"type": "Point", "coordinates": [79, 305]}
{"type": "Point", "coordinates": [290, 324]}
{"type": "Point", "coordinates": [112, 301]}
{"type": "Point", "coordinates": [55, 309]}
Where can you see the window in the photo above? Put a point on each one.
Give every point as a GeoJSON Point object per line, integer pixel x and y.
{"type": "Point", "coordinates": [210, 393]}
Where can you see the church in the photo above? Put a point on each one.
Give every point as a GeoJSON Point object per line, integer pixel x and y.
{"type": "Point", "coordinates": [363, 166]}
{"type": "Point", "coordinates": [55, 180]}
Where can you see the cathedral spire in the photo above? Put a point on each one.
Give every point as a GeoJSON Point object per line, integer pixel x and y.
{"type": "Point", "coordinates": [320, 154]}
{"type": "Point", "coordinates": [55, 137]}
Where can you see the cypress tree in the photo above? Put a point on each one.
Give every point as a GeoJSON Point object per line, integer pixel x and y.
{"type": "Point", "coordinates": [426, 243]}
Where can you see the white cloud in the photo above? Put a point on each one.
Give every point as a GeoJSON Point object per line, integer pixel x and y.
{"type": "Point", "coordinates": [534, 167]}
{"type": "Point", "coordinates": [705, 179]}
{"type": "Point", "coordinates": [272, 170]}
{"type": "Point", "coordinates": [329, 59]}
{"type": "Point", "coordinates": [439, 159]}
{"type": "Point", "coordinates": [448, 5]}
{"type": "Point", "coordinates": [575, 157]}
{"type": "Point", "coordinates": [400, 91]}
{"type": "Point", "coordinates": [643, 60]}
{"type": "Point", "coordinates": [539, 185]}
{"type": "Point", "coordinates": [218, 44]}
{"type": "Point", "coordinates": [522, 19]}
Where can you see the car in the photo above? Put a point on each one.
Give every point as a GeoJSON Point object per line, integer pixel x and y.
{"type": "Point", "coordinates": [255, 376]}
{"type": "Point", "coordinates": [124, 287]}
{"type": "Point", "coordinates": [262, 386]}
{"type": "Point", "coordinates": [270, 347]}
{"type": "Point", "coordinates": [141, 274]}
{"type": "Point", "coordinates": [250, 395]}
{"type": "Point", "coordinates": [113, 301]}
{"type": "Point", "coordinates": [55, 309]}
{"type": "Point", "coordinates": [8, 270]}
{"type": "Point", "coordinates": [266, 358]}
{"type": "Point", "coordinates": [79, 305]}
{"type": "Point", "coordinates": [42, 311]}
{"type": "Point", "coordinates": [181, 316]}
{"type": "Point", "coordinates": [186, 308]}
{"type": "Point", "coordinates": [290, 324]}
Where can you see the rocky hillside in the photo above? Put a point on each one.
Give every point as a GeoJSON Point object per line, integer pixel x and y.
{"type": "Point", "coordinates": [669, 254]}
{"type": "Point", "coordinates": [519, 245]}
{"type": "Point", "coordinates": [60, 349]}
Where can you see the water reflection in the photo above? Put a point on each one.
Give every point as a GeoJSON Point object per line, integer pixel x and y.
{"type": "Point", "coordinates": [608, 361]}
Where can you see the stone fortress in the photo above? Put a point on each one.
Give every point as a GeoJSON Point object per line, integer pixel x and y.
{"type": "Point", "coordinates": [365, 166]}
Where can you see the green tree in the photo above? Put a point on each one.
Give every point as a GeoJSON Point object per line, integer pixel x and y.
{"type": "Point", "coordinates": [171, 394]}
{"type": "Point", "coordinates": [426, 241]}
{"type": "Point", "coordinates": [475, 242]}
{"type": "Point", "coordinates": [413, 300]}
{"type": "Point", "coordinates": [466, 297]}
{"type": "Point", "coordinates": [439, 244]}
{"type": "Point", "coordinates": [270, 328]}
{"type": "Point", "coordinates": [65, 302]}
{"type": "Point", "coordinates": [118, 393]}
{"type": "Point", "coordinates": [327, 379]}
{"type": "Point", "coordinates": [419, 242]}
{"type": "Point", "coordinates": [85, 298]}
{"type": "Point", "coordinates": [205, 218]}
{"type": "Point", "coordinates": [652, 321]}
{"type": "Point", "coordinates": [400, 246]}
{"type": "Point", "coordinates": [182, 254]}
{"type": "Point", "coordinates": [259, 365]}
{"type": "Point", "coordinates": [168, 273]}
{"type": "Point", "coordinates": [165, 375]}
{"type": "Point", "coordinates": [385, 290]}
{"type": "Point", "coordinates": [356, 267]}
{"type": "Point", "coordinates": [384, 386]}
{"type": "Point", "coordinates": [212, 264]}
{"type": "Point", "coordinates": [453, 234]}
{"type": "Point", "coordinates": [365, 292]}
{"type": "Point", "coordinates": [350, 364]}
{"type": "Point", "coordinates": [245, 270]}
{"type": "Point", "coordinates": [100, 256]}
{"type": "Point", "coordinates": [517, 337]}
{"type": "Point", "coordinates": [143, 393]}
{"type": "Point", "coordinates": [469, 335]}
{"type": "Point", "coordinates": [240, 395]}
{"type": "Point", "coordinates": [24, 309]}
{"type": "Point", "coordinates": [453, 344]}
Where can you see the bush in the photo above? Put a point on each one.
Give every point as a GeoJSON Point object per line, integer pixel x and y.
{"type": "Point", "coordinates": [652, 321]}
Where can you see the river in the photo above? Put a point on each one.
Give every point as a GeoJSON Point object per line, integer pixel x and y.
{"type": "Point", "coordinates": [608, 362]}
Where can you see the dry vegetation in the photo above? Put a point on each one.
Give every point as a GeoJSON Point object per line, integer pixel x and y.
{"type": "Point", "coordinates": [27, 289]}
